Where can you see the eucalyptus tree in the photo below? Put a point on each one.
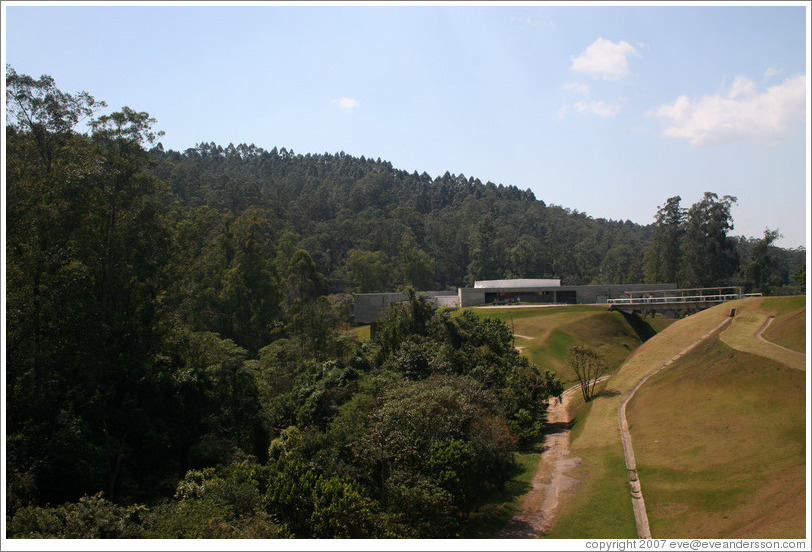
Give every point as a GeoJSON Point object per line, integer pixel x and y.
{"type": "Point", "coordinates": [708, 256]}
{"type": "Point", "coordinates": [663, 254]}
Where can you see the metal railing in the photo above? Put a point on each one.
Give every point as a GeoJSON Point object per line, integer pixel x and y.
{"type": "Point", "coordinates": [720, 298]}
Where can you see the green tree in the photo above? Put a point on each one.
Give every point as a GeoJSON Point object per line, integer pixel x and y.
{"type": "Point", "coordinates": [664, 250]}
{"type": "Point", "coordinates": [416, 266]}
{"type": "Point", "coordinates": [251, 293]}
{"type": "Point", "coordinates": [523, 258]}
{"type": "Point", "coordinates": [799, 278]}
{"type": "Point", "coordinates": [369, 271]}
{"type": "Point", "coordinates": [761, 271]}
{"type": "Point", "coordinates": [302, 281]}
{"type": "Point", "coordinates": [708, 255]}
{"type": "Point", "coordinates": [484, 263]}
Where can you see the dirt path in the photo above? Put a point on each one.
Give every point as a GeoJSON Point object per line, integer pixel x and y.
{"type": "Point", "coordinates": [751, 324]}
{"type": "Point", "coordinates": [539, 507]}
{"type": "Point", "coordinates": [760, 337]}
{"type": "Point", "coordinates": [536, 514]}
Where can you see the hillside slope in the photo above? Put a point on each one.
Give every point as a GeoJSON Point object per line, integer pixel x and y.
{"type": "Point", "coordinates": [544, 334]}
{"type": "Point", "coordinates": [720, 436]}
{"type": "Point", "coordinates": [596, 438]}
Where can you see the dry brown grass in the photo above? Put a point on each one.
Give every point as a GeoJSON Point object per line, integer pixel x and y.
{"type": "Point", "coordinates": [751, 316]}
{"type": "Point", "coordinates": [720, 445]}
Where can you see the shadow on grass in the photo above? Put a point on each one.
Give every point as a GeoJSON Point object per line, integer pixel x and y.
{"type": "Point", "coordinates": [499, 507]}
{"type": "Point", "coordinates": [557, 427]}
{"type": "Point", "coordinates": [607, 393]}
{"type": "Point", "coordinates": [516, 529]}
{"type": "Point", "coordinates": [642, 328]}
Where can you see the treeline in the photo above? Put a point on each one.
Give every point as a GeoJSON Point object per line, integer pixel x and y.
{"type": "Point", "coordinates": [176, 370]}
{"type": "Point", "coordinates": [691, 247]}
{"type": "Point", "coordinates": [371, 228]}
{"type": "Point", "coordinates": [178, 332]}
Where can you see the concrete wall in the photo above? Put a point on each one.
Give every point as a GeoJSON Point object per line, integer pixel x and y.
{"type": "Point", "coordinates": [518, 283]}
{"type": "Point", "coordinates": [369, 306]}
{"type": "Point", "coordinates": [470, 296]}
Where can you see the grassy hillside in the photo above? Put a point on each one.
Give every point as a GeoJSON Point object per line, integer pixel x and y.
{"type": "Point", "coordinates": [544, 334]}
{"type": "Point", "coordinates": [751, 317]}
{"type": "Point", "coordinates": [596, 439]}
{"type": "Point", "coordinates": [720, 436]}
{"type": "Point", "coordinates": [789, 327]}
{"type": "Point", "coordinates": [720, 441]}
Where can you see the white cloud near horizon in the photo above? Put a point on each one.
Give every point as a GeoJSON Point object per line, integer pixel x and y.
{"type": "Point", "coordinates": [604, 58]}
{"type": "Point", "coordinates": [744, 113]}
{"type": "Point", "coordinates": [346, 103]}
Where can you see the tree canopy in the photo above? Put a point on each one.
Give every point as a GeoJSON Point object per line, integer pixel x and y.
{"type": "Point", "coordinates": [179, 360]}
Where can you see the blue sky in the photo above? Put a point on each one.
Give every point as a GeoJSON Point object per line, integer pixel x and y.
{"type": "Point", "coordinates": [608, 110]}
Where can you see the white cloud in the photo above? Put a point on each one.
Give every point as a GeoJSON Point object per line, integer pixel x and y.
{"type": "Point", "coordinates": [599, 108]}
{"type": "Point", "coordinates": [743, 113]}
{"type": "Point", "coordinates": [346, 103]}
{"type": "Point", "coordinates": [604, 58]}
{"type": "Point", "coordinates": [771, 72]}
{"type": "Point", "coordinates": [578, 87]}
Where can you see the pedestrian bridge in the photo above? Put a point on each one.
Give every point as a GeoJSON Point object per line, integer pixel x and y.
{"type": "Point", "coordinates": [676, 301]}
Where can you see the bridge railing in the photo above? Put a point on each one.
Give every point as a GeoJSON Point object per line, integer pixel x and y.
{"type": "Point", "coordinates": [719, 298]}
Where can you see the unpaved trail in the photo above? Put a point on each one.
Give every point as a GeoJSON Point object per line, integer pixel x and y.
{"type": "Point", "coordinates": [745, 335]}
{"type": "Point", "coordinates": [550, 480]}
{"type": "Point", "coordinates": [793, 354]}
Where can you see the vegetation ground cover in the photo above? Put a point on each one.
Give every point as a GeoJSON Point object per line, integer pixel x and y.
{"type": "Point", "coordinates": [544, 334]}
{"type": "Point", "coordinates": [177, 348]}
{"type": "Point", "coordinates": [489, 519]}
{"type": "Point", "coordinates": [789, 328]}
{"type": "Point", "coordinates": [751, 317]}
{"type": "Point", "coordinates": [552, 330]}
{"type": "Point", "coordinates": [720, 440]}
{"type": "Point", "coordinates": [596, 437]}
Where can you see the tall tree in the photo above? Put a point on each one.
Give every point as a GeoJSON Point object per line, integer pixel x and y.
{"type": "Point", "coordinates": [251, 290]}
{"type": "Point", "coordinates": [85, 271]}
{"type": "Point", "coordinates": [484, 259]}
{"type": "Point", "coordinates": [416, 266]}
{"type": "Point", "coordinates": [761, 271]}
{"type": "Point", "coordinates": [663, 254]}
{"type": "Point", "coordinates": [709, 256]}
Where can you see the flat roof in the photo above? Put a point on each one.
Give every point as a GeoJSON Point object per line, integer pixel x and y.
{"type": "Point", "coordinates": [517, 284]}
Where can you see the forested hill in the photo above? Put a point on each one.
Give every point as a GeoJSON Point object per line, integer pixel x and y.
{"type": "Point", "coordinates": [177, 329]}
{"type": "Point", "coordinates": [371, 227]}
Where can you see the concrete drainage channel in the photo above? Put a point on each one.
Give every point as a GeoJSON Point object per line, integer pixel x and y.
{"type": "Point", "coordinates": [638, 504]}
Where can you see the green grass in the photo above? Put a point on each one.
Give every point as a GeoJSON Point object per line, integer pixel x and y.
{"type": "Point", "coordinates": [752, 400]}
{"type": "Point", "coordinates": [719, 440]}
{"type": "Point", "coordinates": [751, 315]}
{"type": "Point", "coordinates": [554, 329]}
{"type": "Point", "coordinates": [600, 506]}
{"type": "Point", "coordinates": [363, 332]}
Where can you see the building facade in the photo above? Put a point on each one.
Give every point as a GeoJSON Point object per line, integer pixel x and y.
{"type": "Point", "coordinates": [369, 306]}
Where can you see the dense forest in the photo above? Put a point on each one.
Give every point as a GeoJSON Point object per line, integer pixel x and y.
{"type": "Point", "coordinates": [179, 361]}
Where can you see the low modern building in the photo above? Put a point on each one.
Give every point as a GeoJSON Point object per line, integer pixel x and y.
{"type": "Point", "coordinates": [369, 306]}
